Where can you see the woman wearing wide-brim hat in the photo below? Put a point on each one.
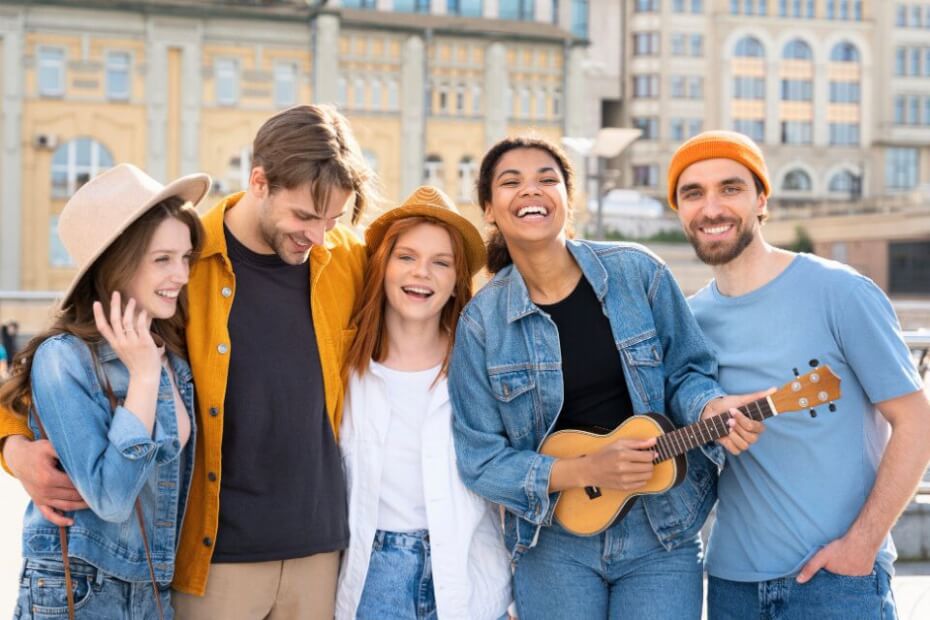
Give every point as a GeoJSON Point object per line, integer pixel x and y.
{"type": "Point", "coordinates": [420, 544]}
{"type": "Point", "coordinates": [109, 386]}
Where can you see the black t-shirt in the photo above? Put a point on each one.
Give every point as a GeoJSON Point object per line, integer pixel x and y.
{"type": "Point", "coordinates": [283, 491]}
{"type": "Point", "coordinates": [596, 394]}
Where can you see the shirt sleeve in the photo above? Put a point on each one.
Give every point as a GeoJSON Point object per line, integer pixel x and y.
{"type": "Point", "coordinates": [488, 464]}
{"type": "Point", "coordinates": [869, 335]}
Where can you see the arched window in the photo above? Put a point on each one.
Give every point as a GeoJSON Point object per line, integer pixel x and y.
{"type": "Point", "coordinates": [749, 47]}
{"type": "Point", "coordinates": [797, 49]}
{"type": "Point", "coordinates": [797, 181]}
{"type": "Point", "coordinates": [844, 182]}
{"type": "Point", "coordinates": [432, 171]}
{"type": "Point", "coordinates": [238, 170]}
{"type": "Point", "coordinates": [75, 163]}
{"type": "Point", "coordinates": [844, 52]}
{"type": "Point", "coordinates": [467, 170]}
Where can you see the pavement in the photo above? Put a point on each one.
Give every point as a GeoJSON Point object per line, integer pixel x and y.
{"type": "Point", "coordinates": [911, 583]}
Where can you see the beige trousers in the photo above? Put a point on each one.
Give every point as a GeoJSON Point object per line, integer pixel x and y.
{"type": "Point", "coordinates": [303, 588]}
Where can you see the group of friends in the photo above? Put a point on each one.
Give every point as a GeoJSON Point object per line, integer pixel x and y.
{"type": "Point", "coordinates": [363, 440]}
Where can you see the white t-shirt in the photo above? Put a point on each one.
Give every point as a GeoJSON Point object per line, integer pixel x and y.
{"type": "Point", "coordinates": [402, 506]}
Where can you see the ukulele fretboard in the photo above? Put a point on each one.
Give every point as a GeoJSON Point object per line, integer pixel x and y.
{"type": "Point", "coordinates": [681, 440]}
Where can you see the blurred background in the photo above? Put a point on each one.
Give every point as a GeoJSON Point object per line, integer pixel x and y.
{"type": "Point", "coordinates": [837, 93]}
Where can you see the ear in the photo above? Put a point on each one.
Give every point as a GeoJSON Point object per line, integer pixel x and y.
{"type": "Point", "coordinates": [761, 204]}
{"type": "Point", "coordinates": [258, 182]}
{"type": "Point", "coordinates": [488, 215]}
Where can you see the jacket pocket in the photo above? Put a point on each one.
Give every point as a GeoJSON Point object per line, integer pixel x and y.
{"type": "Point", "coordinates": [647, 373]}
{"type": "Point", "coordinates": [514, 390]}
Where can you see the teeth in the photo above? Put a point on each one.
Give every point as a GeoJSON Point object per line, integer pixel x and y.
{"type": "Point", "coordinates": [535, 210]}
{"type": "Point", "coordinates": [716, 230]}
{"type": "Point", "coordinates": [418, 290]}
{"type": "Point", "coordinates": [168, 294]}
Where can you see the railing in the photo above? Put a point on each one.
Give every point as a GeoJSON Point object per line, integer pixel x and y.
{"type": "Point", "coordinates": [919, 343]}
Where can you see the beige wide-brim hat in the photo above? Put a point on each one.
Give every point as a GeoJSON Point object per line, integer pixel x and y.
{"type": "Point", "coordinates": [430, 201]}
{"type": "Point", "coordinates": [108, 204]}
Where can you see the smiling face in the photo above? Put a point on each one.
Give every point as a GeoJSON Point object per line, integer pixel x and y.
{"type": "Point", "coordinates": [291, 223]}
{"type": "Point", "coordinates": [719, 208]}
{"type": "Point", "coordinates": [420, 275]}
{"type": "Point", "coordinates": [163, 270]}
{"type": "Point", "coordinates": [529, 202]}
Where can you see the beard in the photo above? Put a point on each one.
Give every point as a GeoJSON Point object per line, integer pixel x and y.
{"type": "Point", "coordinates": [716, 253]}
{"type": "Point", "coordinates": [278, 241]}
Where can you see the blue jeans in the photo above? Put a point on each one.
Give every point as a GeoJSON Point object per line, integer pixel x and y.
{"type": "Point", "coordinates": [399, 583]}
{"type": "Point", "coordinates": [827, 596]}
{"type": "Point", "coordinates": [97, 596]}
{"type": "Point", "coordinates": [623, 572]}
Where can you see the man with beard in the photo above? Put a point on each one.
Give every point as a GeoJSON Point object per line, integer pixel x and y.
{"type": "Point", "coordinates": [804, 516]}
{"type": "Point", "coordinates": [271, 297]}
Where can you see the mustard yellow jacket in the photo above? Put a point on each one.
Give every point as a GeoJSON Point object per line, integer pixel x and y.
{"type": "Point", "coordinates": [336, 271]}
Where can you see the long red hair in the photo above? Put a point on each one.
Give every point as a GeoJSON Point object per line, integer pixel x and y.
{"type": "Point", "coordinates": [371, 340]}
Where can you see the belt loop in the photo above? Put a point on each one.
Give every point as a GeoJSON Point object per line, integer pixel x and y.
{"type": "Point", "coordinates": [379, 540]}
{"type": "Point", "coordinates": [99, 578]}
{"type": "Point", "coordinates": [22, 572]}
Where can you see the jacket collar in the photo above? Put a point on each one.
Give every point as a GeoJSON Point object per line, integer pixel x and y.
{"type": "Point", "coordinates": [182, 371]}
{"type": "Point", "coordinates": [519, 303]}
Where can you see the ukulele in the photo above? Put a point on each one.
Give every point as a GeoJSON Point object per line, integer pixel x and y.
{"type": "Point", "coordinates": [591, 510]}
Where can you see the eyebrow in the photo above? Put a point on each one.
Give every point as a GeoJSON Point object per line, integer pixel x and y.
{"type": "Point", "coordinates": [512, 171]}
{"type": "Point", "coordinates": [307, 214]}
{"type": "Point", "coordinates": [167, 251]}
{"type": "Point", "coordinates": [412, 251]}
{"type": "Point", "coordinates": [731, 181]}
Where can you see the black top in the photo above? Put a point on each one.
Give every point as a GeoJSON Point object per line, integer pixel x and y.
{"type": "Point", "coordinates": [283, 491]}
{"type": "Point", "coordinates": [596, 394]}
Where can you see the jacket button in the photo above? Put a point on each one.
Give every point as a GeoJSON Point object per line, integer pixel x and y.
{"type": "Point", "coordinates": [226, 292]}
{"type": "Point", "coordinates": [211, 477]}
{"type": "Point", "coordinates": [214, 411]}
{"type": "Point", "coordinates": [222, 348]}
{"type": "Point", "coordinates": [207, 541]}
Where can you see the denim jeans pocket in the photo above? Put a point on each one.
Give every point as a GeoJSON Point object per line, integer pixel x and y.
{"type": "Point", "coordinates": [48, 596]}
{"type": "Point", "coordinates": [853, 583]}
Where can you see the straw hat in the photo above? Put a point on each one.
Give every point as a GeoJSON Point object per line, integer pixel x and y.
{"type": "Point", "coordinates": [108, 204]}
{"type": "Point", "coordinates": [430, 201]}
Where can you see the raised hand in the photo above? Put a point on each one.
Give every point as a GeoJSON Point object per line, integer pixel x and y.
{"type": "Point", "coordinates": [128, 333]}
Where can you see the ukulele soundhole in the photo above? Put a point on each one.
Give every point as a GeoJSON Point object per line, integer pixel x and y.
{"type": "Point", "coordinates": [593, 492]}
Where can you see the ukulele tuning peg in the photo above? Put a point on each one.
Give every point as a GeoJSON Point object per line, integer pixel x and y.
{"type": "Point", "coordinates": [795, 371]}
{"type": "Point", "coordinates": [814, 363]}
{"type": "Point", "coordinates": [813, 413]}
{"type": "Point", "coordinates": [832, 407]}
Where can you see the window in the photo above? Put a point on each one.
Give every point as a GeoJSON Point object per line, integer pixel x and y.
{"type": "Point", "coordinates": [754, 128]}
{"type": "Point", "coordinates": [646, 86]}
{"type": "Point", "coordinates": [358, 94]}
{"type": "Point", "coordinates": [676, 129]}
{"type": "Point", "coordinates": [359, 4]}
{"type": "Point", "coordinates": [915, 16]}
{"type": "Point", "coordinates": [901, 166]}
{"type": "Point", "coordinates": [695, 87]}
{"type": "Point", "coordinates": [900, 16]}
{"type": "Point", "coordinates": [900, 61]}
{"type": "Point", "coordinates": [77, 162]}
{"type": "Point", "coordinates": [844, 182]}
{"type": "Point", "coordinates": [697, 45]}
{"type": "Point", "coordinates": [464, 8]}
{"type": "Point", "coordinates": [900, 107]}
{"type": "Point", "coordinates": [796, 49]}
{"type": "Point", "coordinates": [117, 75]}
{"type": "Point", "coordinates": [914, 64]}
{"type": "Point", "coordinates": [227, 81]}
{"type": "Point", "coordinates": [342, 92]}
{"type": "Point", "coordinates": [695, 126]}
{"type": "Point", "coordinates": [909, 267]}
{"type": "Point", "coordinates": [797, 90]}
{"type": "Point", "coordinates": [796, 132]}
{"type": "Point", "coordinates": [927, 60]}
{"type": "Point", "coordinates": [677, 87]}
{"type": "Point", "coordinates": [467, 171]}
{"type": "Point", "coordinates": [646, 6]}
{"type": "Point", "coordinates": [432, 171]}
{"type": "Point", "coordinates": [748, 87]}
{"type": "Point", "coordinates": [749, 47]}
{"type": "Point", "coordinates": [524, 102]}
{"type": "Point", "coordinates": [557, 103]}
{"type": "Point", "coordinates": [285, 84]}
{"type": "Point", "coordinates": [649, 125]}
{"type": "Point", "coordinates": [927, 111]}
{"type": "Point", "coordinates": [844, 52]}
{"type": "Point", "coordinates": [677, 42]}
{"type": "Point", "coordinates": [844, 92]}
{"type": "Point", "coordinates": [476, 100]}
{"type": "Point", "coordinates": [697, 6]}
{"type": "Point", "coordinates": [797, 181]}
{"type": "Point", "coordinates": [913, 110]}
{"type": "Point", "coordinates": [411, 6]}
{"type": "Point", "coordinates": [646, 176]}
{"type": "Point", "coordinates": [678, 6]}
{"type": "Point", "coordinates": [844, 134]}
{"type": "Point", "coordinates": [51, 71]}
{"type": "Point", "coordinates": [541, 102]}
{"type": "Point", "coordinates": [392, 94]}
{"type": "Point", "coordinates": [646, 44]}
{"type": "Point", "coordinates": [377, 98]}
{"type": "Point", "coordinates": [580, 18]}
{"type": "Point", "coordinates": [516, 9]}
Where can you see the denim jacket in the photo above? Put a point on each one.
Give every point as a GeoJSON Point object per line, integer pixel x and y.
{"type": "Point", "coordinates": [111, 459]}
{"type": "Point", "coordinates": [507, 388]}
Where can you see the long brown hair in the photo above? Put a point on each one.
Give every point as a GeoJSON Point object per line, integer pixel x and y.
{"type": "Point", "coordinates": [111, 272]}
{"type": "Point", "coordinates": [498, 254]}
{"type": "Point", "coordinates": [371, 341]}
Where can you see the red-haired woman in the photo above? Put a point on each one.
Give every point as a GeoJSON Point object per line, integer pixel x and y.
{"type": "Point", "coordinates": [421, 545]}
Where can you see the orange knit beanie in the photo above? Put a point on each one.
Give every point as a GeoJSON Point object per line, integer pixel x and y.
{"type": "Point", "coordinates": [714, 145]}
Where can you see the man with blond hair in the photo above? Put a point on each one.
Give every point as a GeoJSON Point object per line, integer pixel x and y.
{"type": "Point", "coordinates": [804, 515]}
{"type": "Point", "coordinates": [269, 324]}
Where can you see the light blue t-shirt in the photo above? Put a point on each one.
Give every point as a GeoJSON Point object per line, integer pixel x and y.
{"type": "Point", "coordinates": [805, 481]}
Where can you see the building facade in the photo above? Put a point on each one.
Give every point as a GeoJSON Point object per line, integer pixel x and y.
{"type": "Point", "coordinates": [177, 87]}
